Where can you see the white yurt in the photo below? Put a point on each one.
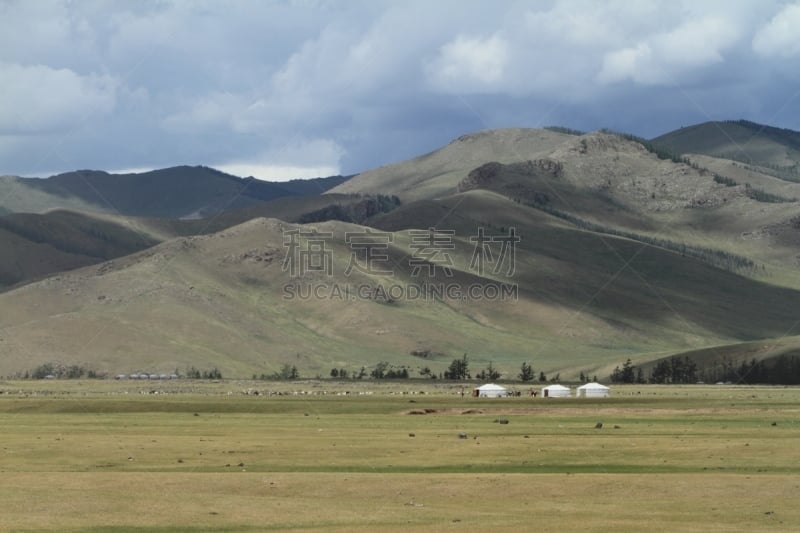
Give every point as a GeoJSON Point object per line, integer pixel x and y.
{"type": "Point", "coordinates": [593, 390]}
{"type": "Point", "coordinates": [490, 390]}
{"type": "Point", "coordinates": [556, 391]}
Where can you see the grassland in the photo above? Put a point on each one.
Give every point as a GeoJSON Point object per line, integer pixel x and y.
{"type": "Point", "coordinates": [305, 456]}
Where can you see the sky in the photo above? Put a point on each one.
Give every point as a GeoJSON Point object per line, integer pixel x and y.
{"type": "Point", "coordinates": [304, 88]}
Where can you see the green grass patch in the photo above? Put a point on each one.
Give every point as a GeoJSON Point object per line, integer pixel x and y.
{"type": "Point", "coordinates": [721, 456]}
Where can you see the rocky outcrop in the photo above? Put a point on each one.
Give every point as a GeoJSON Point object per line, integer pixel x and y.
{"type": "Point", "coordinates": [488, 175]}
{"type": "Point", "coordinates": [481, 177]}
{"type": "Point", "coordinates": [538, 167]}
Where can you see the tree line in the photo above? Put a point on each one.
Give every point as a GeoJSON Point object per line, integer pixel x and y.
{"type": "Point", "coordinates": [457, 370]}
{"type": "Point", "coordinates": [716, 258]}
{"type": "Point", "coordinates": [781, 370]}
{"type": "Point", "coordinates": [79, 371]}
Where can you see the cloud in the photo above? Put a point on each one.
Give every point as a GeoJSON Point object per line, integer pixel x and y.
{"type": "Point", "coordinates": [697, 43]}
{"type": "Point", "coordinates": [46, 31]}
{"type": "Point", "coordinates": [662, 58]}
{"type": "Point", "coordinates": [470, 64]}
{"type": "Point", "coordinates": [589, 26]}
{"type": "Point", "coordinates": [207, 112]}
{"type": "Point", "coordinates": [158, 83]}
{"type": "Point", "coordinates": [627, 63]}
{"type": "Point", "coordinates": [779, 37]}
{"type": "Point", "coordinates": [40, 100]}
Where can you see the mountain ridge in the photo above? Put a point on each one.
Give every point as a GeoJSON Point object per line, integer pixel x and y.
{"type": "Point", "coordinates": [174, 192]}
{"type": "Point", "coordinates": [220, 300]}
{"type": "Point", "coordinates": [606, 268]}
{"type": "Point", "coordinates": [775, 151]}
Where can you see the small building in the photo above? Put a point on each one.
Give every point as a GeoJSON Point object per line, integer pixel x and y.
{"type": "Point", "coordinates": [593, 390]}
{"type": "Point", "coordinates": [490, 390]}
{"type": "Point", "coordinates": [556, 391]}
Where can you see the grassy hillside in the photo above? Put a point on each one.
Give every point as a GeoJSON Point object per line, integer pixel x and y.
{"type": "Point", "coordinates": [37, 245]}
{"type": "Point", "coordinates": [343, 207]}
{"type": "Point", "coordinates": [743, 174]}
{"type": "Point", "coordinates": [27, 195]}
{"type": "Point", "coordinates": [313, 186]}
{"type": "Point", "coordinates": [622, 254]}
{"type": "Point", "coordinates": [773, 150]}
{"type": "Point", "coordinates": [286, 208]}
{"type": "Point", "coordinates": [438, 173]}
{"type": "Point", "coordinates": [615, 185]}
{"type": "Point", "coordinates": [585, 302]}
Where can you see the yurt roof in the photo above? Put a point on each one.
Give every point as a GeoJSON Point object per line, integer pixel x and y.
{"type": "Point", "coordinates": [556, 387]}
{"type": "Point", "coordinates": [593, 386]}
{"type": "Point", "coordinates": [491, 386]}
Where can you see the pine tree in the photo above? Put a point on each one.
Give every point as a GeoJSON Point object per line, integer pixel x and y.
{"type": "Point", "coordinates": [526, 372]}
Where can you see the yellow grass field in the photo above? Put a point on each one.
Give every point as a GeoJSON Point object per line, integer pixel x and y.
{"type": "Point", "coordinates": [198, 456]}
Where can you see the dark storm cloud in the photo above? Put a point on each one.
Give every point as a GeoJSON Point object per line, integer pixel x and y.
{"type": "Point", "coordinates": [285, 89]}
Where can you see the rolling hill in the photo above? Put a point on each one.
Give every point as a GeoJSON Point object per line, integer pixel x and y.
{"type": "Point", "coordinates": [613, 184]}
{"type": "Point", "coordinates": [86, 217]}
{"type": "Point", "coordinates": [439, 172]}
{"type": "Point", "coordinates": [775, 151]}
{"type": "Point", "coordinates": [36, 245]}
{"type": "Point", "coordinates": [622, 253]}
{"type": "Point", "coordinates": [585, 302]}
{"type": "Point", "coordinates": [177, 192]}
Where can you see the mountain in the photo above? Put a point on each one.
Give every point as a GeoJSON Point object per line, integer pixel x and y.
{"type": "Point", "coordinates": [312, 186]}
{"type": "Point", "coordinates": [610, 183]}
{"type": "Point", "coordinates": [605, 177]}
{"type": "Point", "coordinates": [177, 192]}
{"type": "Point", "coordinates": [775, 151]}
{"type": "Point", "coordinates": [86, 217]}
{"type": "Point", "coordinates": [31, 195]}
{"type": "Point", "coordinates": [584, 302]}
{"type": "Point", "coordinates": [439, 172]}
{"type": "Point", "coordinates": [36, 245]}
{"type": "Point", "coordinates": [621, 249]}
